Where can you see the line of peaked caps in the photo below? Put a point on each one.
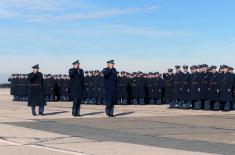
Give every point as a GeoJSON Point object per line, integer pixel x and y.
{"type": "Point", "coordinates": [134, 73]}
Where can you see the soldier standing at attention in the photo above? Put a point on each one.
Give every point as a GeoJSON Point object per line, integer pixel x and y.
{"type": "Point", "coordinates": [169, 88]}
{"type": "Point", "coordinates": [214, 89]}
{"type": "Point", "coordinates": [231, 70]}
{"type": "Point", "coordinates": [36, 94]}
{"type": "Point", "coordinates": [110, 87]}
{"type": "Point", "coordinates": [196, 88]}
{"type": "Point", "coordinates": [76, 87]}
{"type": "Point", "coordinates": [226, 85]}
{"type": "Point", "coordinates": [178, 84]}
{"type": "Point", "coordinates": [186, 92]}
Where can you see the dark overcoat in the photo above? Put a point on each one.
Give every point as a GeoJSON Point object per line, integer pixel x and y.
{"type": "Point", "coordinates": [110, 84]}
{"type": "Point", "coordinates": [214, 87]}
{"type": "Point", "coordinates": [196, 86]}
{"type": "Point", "coordinates": [178, 84]}
{"type": "Point", "coordinates": [76, 83]}
{"type": "Point", "coordinates": [169, 86]}
{"type": "Point", "coordinates": [186, 87]}
{"type": "Point", "coordinates": [226, 85]}
{"type": "Point", "coordinates": [36, 94]}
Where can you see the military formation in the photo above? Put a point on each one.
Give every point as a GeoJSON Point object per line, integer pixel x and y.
{"type": "Point", "coordinates": [196, 87]}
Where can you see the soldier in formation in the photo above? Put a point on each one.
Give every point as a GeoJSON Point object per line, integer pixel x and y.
{"type": "Point", "coordinates": [196, 87]}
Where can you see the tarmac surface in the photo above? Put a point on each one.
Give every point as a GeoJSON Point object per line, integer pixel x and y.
{"type": "Point", "coordinates": [148, 129]}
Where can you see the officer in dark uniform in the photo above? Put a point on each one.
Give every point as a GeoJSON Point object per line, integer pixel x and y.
{"type": "Point", "coordinates": [122, 88]}
{"type": "Point", "coordinates": [25, 87]}
{"type": "Point", "coordinates": [76, 87]}
{"type": "Point", "coordinates": [155, 86]}
{"type": "Point", "coordinates": [204, 87]}
{"type": "Point", "coordinates": [18, 87]}
{"type": "Point", "coordinates": [178, 84]}
{"type": "Point", "coordinates": [86, 90]}
{"type": "Point", "coordinates": [36, 94]}
{"type": "Point", "coordinates": [48, 87]}
{"type": "Point", "coordinates": [231, 70]}
{"type": "Point", "coordinates": [65, 88]}
{"type": "Point", "coordinates": [214, 89]}
{"type": "Point", "coordinates": [226, 86]}
{"type": "Point", "coordinates": [12, 79]}
{"type": "Point", "coordinates": [110, 87]}
{"type": "Point", "coordinates": [196, 88]}
{"type": "Point", "coordinates": [169, 88]}
{"type": "Point", "coordinates": [140, 86]}
{"type": "Point", "coordinates": [133, 88]}
{"type": "Point", "coordinates": [186, 89]}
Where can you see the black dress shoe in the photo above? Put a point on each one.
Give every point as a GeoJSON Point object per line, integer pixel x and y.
{"type": "Point", "coordinates": [34, 114]}
{"type": "Point", "coordinates": [41, 114]}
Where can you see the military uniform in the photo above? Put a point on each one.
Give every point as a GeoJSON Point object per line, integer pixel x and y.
{"type": "Point", "coordinates": [233, 101]}
{"type": "Point", "coordinates": [76, 88]}
{"type": "Point", "coordinates": [178, 87]}
{"type": "Point", "coordinates": [155, 90]}
{"type": "Point", "coordinates": [122, 90]}
{"type": "Point", "coordinates": [140, 86]}
{"type": "Point", "coordinates": [196, 89]}
{"type": "Point", "coordinates": [110, 87]}
{"type": "Point", "coordinates": [204, 88]}
{"type": "Point", "coordinates": [65, 88]}
{"type": "Point", "coordinates": [36, 94]}
{"type": "Point", "coordinates": [12, 79]}
{"type": "Point", "coordinates": [169, 88]}
{"type": "Point", "coordinates": [186, 90]}
{"type": "Point", "coordinates": [226, 86]}
{"type": "Point", "coordinates": [48, 87]}
{"type": "Point", "coordinates": [214, 90]}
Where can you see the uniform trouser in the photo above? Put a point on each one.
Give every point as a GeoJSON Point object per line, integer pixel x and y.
{"type": "Point", "coordinates": [227, 106]}
{"type": "Point", "coordinates": [187, 105]}
{"type": "Point", "coordinates": [110, 102]}
{"type": "Point", "coordinates": [233, 105]}
{"type": "Point", "coordinates": [207, 105]}
{"type": "Point", "coordinates": [197, 105]}
{"type": "Point", "coordinates": [172, 103]}
{"type": "Point", "coordinates": [180, 104]}
{"type": "Point", "coordinates": [76, 107]}
{"type": "Point", "coordinates": [141, 100]}
{"type": "Point", "coordinates": [216, 106]}
{"type": "Point", "coordinates": [155, 101]}
{"type": "Point", "coordinates": [41, 109]}
{"type": "Point", "coordinates": [122, 101]}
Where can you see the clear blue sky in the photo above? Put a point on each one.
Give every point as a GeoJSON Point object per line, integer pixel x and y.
{"type": "Point", "coordinates": [147, 35]}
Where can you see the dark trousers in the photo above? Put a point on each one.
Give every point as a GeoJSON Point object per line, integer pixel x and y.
{"type": "Point", "coordinates": [110, 102]}
{"type": "Point", "coordinates": [76, 107]}
{"type": "Point", "coordinates": [41, 109]}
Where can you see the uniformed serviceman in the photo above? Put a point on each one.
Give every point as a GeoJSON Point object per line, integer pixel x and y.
{"type": "Point", "coordinates": [76, 87]}
{"type": "Point", "coordinates": [226, 86]}
{"type": "Point", "coordinates": [196, 88]}
{"type": "Point", "coordinates": [122, 88]}
{"type": "Point", "coordinates": [233, 101]}
{"type": "Point", "coordinates": [214, 89]}
{"type": "Point", "coordinates": [186, 91]}
{"type": "Point", "coordinates": [110, 87]}
{"type": "Point", "coordinates": [204, 87]}
{"type": "Point", "coordinates": [169, 88]}
{"type": "Point", "coordinates": [178, 86]}
{"type": "Point", "coordinates": [36, 94]}
{"type": "Point", "coordinates": [12, 79]}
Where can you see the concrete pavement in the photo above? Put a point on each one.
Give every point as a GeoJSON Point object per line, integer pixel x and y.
{"type": "Point", "coordinates": [148, 129]}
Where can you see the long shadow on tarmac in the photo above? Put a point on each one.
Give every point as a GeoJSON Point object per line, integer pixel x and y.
{"type": "Point", "coordinates": [148, 131]}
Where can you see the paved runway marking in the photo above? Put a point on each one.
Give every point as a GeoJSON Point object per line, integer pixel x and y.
{"type": "Point", "coordinates": [42, 147]}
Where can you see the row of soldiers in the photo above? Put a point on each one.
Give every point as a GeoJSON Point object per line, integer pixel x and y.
{"type": "Point", "coordinates": [204, 88]}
